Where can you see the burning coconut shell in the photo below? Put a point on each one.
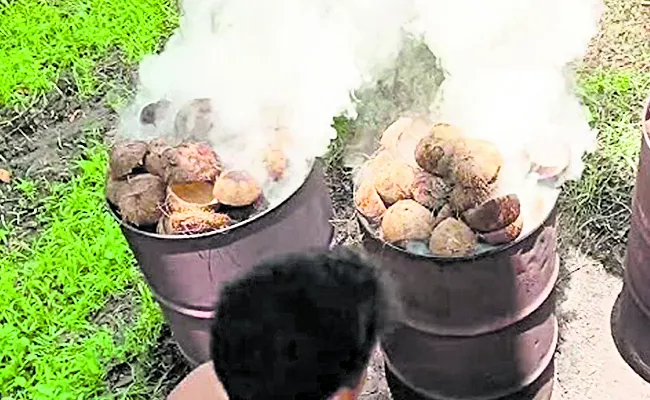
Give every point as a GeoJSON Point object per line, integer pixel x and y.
{"type": "Point", "coordinates": [236, 188]}
{"type": "Point", "coordinates": [450, 202]}
{"type": "Point", "coordinates": [153, 113]}
{"type": "Point", "coordinates": [126, 157]}
{"type": "Point", "coordinates": [155, 161]}
{"type": "Point", "coordinates": [195, 120]}
{"type": "Point", "coordinates": [192, 222]}
{"type": "Point", "coordinates": [190, 196]}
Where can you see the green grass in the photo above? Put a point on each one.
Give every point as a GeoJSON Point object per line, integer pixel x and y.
{"type": "Point", "coordinates": [40, 39]}
{"type": "Point", "coordinates": [599, 202]}
{"type": "Point", "coordinates": [53, 342]}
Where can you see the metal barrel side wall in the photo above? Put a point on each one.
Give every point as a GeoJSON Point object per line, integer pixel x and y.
{"type": "Point", "coordinates": [186, 274]}
{"type": "Point", "coordinates": [631, 314]}
{"type": "Point", "coordinates": [474, 329]}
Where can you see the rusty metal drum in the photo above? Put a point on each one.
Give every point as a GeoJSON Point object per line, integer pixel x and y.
{"type": "Point", "coordinates": [631, 314]}
{"type": "Point", "coordinates": [185, 273]}
{"type": "Point", "coordinates": [480, 327]}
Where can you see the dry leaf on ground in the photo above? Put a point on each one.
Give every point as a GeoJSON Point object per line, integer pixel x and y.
{"type": "Point", "coordinates": [5, 176]}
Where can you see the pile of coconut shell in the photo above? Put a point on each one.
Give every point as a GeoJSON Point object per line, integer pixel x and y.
{"type": "Point", "coordinates": [183, 189]}
{"type": "Point", "coordinates": [433, 185]}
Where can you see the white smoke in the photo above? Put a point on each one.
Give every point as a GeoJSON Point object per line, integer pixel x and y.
{"type": "Point", "coordinates": [506, 70]}
{"type": "Point", "coordinates": [267, 64]}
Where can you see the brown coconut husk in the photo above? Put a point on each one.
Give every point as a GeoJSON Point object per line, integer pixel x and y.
{"type": "Point", "coordinates": [153, 113]}
{"type": "Point", "coordinates": [190, 196]}
{"type": "Point", "coordinates": [115, 188]}
{"type": "Point", "coordinates": [452, 238]}
{"type": "Point", "coordinates": [140, 200]}
{"type": "Point", "coordinates": [406, 220]}
{"type": "Point", "coordinates": [368, 202]}
{"type": "Point", "coordinates": [192, 222]}
{"type": "Point", "coordinates": [126, 157]}
{"type": "Point", "coordinates": [495, 214]}
{"type": "Point", "coordinates": [236, 188]}
{"type": "Point", "coordinates": [191, 162]}
{"type": "Point", "coordinates": [155, 161]}
{"type": "Point", "coordinates": [194, 120]}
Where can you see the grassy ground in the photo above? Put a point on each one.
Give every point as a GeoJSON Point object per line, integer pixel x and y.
{"type": "Point", "coordinates": [76, 320]}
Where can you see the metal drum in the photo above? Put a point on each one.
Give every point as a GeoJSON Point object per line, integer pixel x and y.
{"type": "Point", "coordinates": [185, 273]}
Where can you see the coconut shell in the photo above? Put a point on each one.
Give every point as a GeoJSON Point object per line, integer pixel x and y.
{"type": "Point", "coordinates": [140, 201]}
{"type": "Point", "coordinates": [475, 163]}
{"type": "Point", "coordinates": [547, 159]}
{"type": "Point", "coordinates": [237, 189]}
{"type": "Point", "coordinates": [191, 162]}
{"type": "Point", "coordinates": [444, 213]}
{"type": "Point", "coordinates": [275, 161]}
{"type": "Point", "coordinates": [194, 120]}
{"type": "Point", "coordinates": [494, 214]}
{"type": "Point", "coordinates": [406, 220]}
{"type": "Point", "coordinates": [192, 222]}
{"type": "Point", "coordinates": [190, 196]}
{"type": "Point", "coordinates": [115, 189]}
{"type": "Point", "coordinates": [153, 113]}
{"type": "Point", "coordinates": [452, 238]}
{"type": "Point", "coordinates": [402, 137]}
{"type": "Point", "coordinates": [126, 157]}
{"type": "Point", "coordinates": [393, 181]}
{"type": "Point", "coordinates": [462, 199]}
{"type": "Point", "coordinates": [429, 190]}
{"type": "Point", "coordinates": [368, 202]}
{"type": "Point", "coordinates": [435, 153]}
{"type": "Point", "coordinates": [155, 161]}
{"type": "Point", "coordinates": [505, 235]}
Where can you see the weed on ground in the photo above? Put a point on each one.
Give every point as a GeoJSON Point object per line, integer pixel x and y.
{"type": "Point", "coordinates": [56, 339]}
{"type": "Point", "coordinates": [43, 39]}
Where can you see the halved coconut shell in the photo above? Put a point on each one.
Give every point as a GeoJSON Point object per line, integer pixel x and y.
{"type": "Point", "coordinates": [190, 196]}
{"type": "Point", "coordinates": [505, 235]}
{"type": "Point", "coordinates": [236, 188]}
{"type": "Point", "coordinates": [192, 222]}
{"type": "Point", "coordinates": [494, 214]}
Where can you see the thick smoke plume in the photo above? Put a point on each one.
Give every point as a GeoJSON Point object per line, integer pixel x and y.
{"type": "Point", "coordinates": [506, 71]}
{"type": "Point", "coordinates": [268, 65]}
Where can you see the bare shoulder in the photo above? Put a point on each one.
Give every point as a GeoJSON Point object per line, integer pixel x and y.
{"type": "Point", "coordinates": [201, 384]}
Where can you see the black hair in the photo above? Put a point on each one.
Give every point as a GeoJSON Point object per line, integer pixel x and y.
{"type": "Point", "coordinates": [298, 327]}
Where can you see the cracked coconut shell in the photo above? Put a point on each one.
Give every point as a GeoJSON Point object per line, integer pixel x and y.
{"type": "Point", "coordinates": [494, 214]}
{"type": "Point", "coordinates": [140, 200]}
{"type": "Point", "coordinates": [126, 157]}
{"type": "Point", "coordinates": [236, 188]}
{"type": "Point", "coordinates": [452, 238]}
{"type": "Point", "coordinates": [191, 162]}
{"type": "Point", "coordinates": [192, 222]}
{"type": "Point", "coordinates": [368, 202]}
{"type": "Point", "coordinates": [429, 190]}
{"type": "Point", "coordinates": [406, 220]}
{"type": "Point", "coordinates": [504, 235]}
{"type": "Point", "coordinates": [190, 196]}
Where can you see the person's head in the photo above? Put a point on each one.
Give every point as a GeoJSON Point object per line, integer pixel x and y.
{"type": "Point", "coordinates": [299, 327]}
